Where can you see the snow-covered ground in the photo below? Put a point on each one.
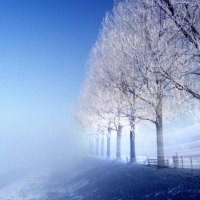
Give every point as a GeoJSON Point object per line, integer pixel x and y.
{"type": "Point", "coordinates": [93, 179]}
{"type": "Point", "coordinates": [23, 185]}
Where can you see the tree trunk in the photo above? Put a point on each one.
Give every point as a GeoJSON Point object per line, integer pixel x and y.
{"type": "Point", "coordinates": [132, 144]}
{"type": "Point", "coordinates": [91, 146]}
{"type": "Point", "coordinates": [160, 145]}
{"type": "Point", "coordinates": [132, 132]}
{"type": "Point", "coordinates": [102, 145]}
{"type": "Point", "coordinates": [97, 145]}
{"type": "Point", "coordinates": [108, 142]}
{"type": "Point", "coordinates": [159, 133]}
{"type": "Point", "coordinates": [118, 150]}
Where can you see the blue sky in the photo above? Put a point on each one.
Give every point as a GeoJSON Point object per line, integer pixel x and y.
{"type": "Point", "coordinates": [44, 45]}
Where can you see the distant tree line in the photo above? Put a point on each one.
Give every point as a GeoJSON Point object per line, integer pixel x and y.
{"type": "Point", "coordinates": [143, 67]}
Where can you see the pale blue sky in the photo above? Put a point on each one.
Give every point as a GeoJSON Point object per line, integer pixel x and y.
{"type": "Point", "coordinates": [44, 46]}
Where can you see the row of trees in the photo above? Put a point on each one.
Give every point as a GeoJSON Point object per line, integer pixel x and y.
{"type": "Point", "coordinates": [143, 67]}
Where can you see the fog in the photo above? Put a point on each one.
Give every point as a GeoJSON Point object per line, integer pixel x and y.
{"type": "Point", "coordinates": [42, 68]}
{"type": "Point", "coordinates": [36, 149]}
{"type": "Point", "coordinates": [36, 119]}
{"type": "Point", "coordinates": [36, 127]}
{"type": "Point", "coordinates": [45, 48]}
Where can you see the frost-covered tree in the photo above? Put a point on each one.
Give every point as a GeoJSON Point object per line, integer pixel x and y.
{"type": "Point", "coordinates": [111, 98]}
{"type": "Point", "coordinates": [111, 106]}
{"type": "Point", "coordinates": [136, 50]}
{"type": "Point", "coordinates": [100, 105]}
{"type": "Point", "coordinates": [134, 68]}
{"type": "Point", "coordinates": [112, 66]}
{"type": "Point", "coordinates": [153, 54]}
{"type": "Point", "coordinates": [185, 22]}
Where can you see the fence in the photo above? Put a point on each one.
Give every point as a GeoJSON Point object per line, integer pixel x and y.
{"type": "Point", "coordinates": [191, 162]}
{"type": "Point", "coordinates": [184, 162]}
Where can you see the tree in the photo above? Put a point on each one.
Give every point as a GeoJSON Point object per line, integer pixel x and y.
{"type": "Point", "coordinates": [137, 51]}
{"type": "Point", "coordinates": [134, 69]}
{"type": "Point", "coordinates": [109, 96]}
{"type": "Point", "coordinates": [185, 20]}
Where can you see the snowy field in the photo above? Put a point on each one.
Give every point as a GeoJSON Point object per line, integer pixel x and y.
{"type": "Point", "coordinates": [100, 179]}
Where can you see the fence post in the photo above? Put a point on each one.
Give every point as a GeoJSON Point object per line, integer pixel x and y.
{"type": "Point", "coordinates": [191, 162]}
{"type": "Point", "coordinates": [167, 162]}
{"type": "Point", "coordinates": [127, 160]}
{"type": "Point", "coordinates": [182, 161]}
{"type": "Point", "coordinates": [176, 161]}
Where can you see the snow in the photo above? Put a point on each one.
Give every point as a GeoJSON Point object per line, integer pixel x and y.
{"type": "Point", "coordinates": [26, 187]}
{"type": "Point", "coordinates": [105, 180]}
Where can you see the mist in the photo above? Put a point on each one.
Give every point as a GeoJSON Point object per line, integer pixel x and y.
{"type": "Point", "coordinates": [99, 99]}
{"type": "Point", "coordinates": [41, 78]}
{"type": "Point", "coordinates": [34, 122]}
